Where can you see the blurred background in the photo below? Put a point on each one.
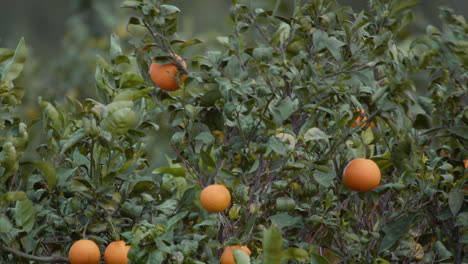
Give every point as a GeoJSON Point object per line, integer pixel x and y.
{"type": "Point", "coordinates": [64, 37]}
{"type": "Point", "coordinates": [44, 24]}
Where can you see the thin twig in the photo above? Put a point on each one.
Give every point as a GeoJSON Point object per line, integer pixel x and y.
{"type": "Point", "coordinates": [341, 72]}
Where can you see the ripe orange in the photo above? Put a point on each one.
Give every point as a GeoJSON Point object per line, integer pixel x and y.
{"type": "Point", "coordinates": [465, 163]}
{"type": "Point", "coordinates": [361, 175]}
{"type": "Point", "coordinates": [84, 252]}
{"type": "Point", "coordinates": [360, 120]}
{"type": "Point", "coordinates": [116, 253]}
{"type": "Point", "coordinates": [228, 258]}
{"type": "Point", "coordinates": [215, 198]}
{"type": "Point", "coordinates": [165, 75]}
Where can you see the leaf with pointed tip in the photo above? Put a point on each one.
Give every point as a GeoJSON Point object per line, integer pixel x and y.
{"type": "Point", "coordinates": [298, 254]}
{"type": "Point", "coordinates": [25, 214]}
{"type": "Point", "coordinates": [49, 174]}
{"type": "Point", "coordinates": [14, 67]}
{"type": "Point", "coordinates": [318, 259]}
{"type": "Point", "coordinates": [241, 257]}
{"type": "Point", "coordinates": [272, 244]}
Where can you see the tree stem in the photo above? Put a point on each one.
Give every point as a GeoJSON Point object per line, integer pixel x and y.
{"type": "Point", "coordinates": [47, 259]}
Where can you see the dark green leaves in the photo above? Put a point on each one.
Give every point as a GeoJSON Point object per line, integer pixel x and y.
{"type": "Point", "coordinates": [394, 230]}
{"type": "Point", "coordinates": [324, 178]}
{"type": "Point", "coordinates": [455, 201]}
{"type": "Point", "coordinates": [318, 259]}
{"type": "Point", "coordinates": [283, 109]}
{"type": "Point", "coordinates": [25, 214]}
{"type": "Point", "coordinates": [49, 174]}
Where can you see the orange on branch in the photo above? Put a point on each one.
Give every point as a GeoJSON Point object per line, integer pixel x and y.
{"type": "Point", "coordinates": [116, 253]}
{"type": "Point", "coordinates": [228, 258]}
{"type": "Point", "coordinates": [166, 76]}
{"type": "Point", "coordinates": [84, 252]}
{"type": "Point", "coordinates": [215, 198]}
{"type": "Point", "coordinates": [361, 119]}
{"type": "Point", "coordinates": [361, 175]}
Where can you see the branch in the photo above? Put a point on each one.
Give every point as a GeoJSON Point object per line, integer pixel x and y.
{"type": "Point", "coordinates": [343, 71]}
{"type": "Point", "coordinates": [48, 259]}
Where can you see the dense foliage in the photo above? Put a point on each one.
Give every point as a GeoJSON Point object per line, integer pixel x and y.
{"type": "Point", "coordinates": [267, 113]}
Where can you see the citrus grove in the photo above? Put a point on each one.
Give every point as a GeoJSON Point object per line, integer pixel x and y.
{"type": "Point", "coordinates": [308, 135]}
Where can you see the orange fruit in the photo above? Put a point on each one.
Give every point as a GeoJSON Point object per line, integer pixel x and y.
{"type": "Point", "coordinates": [165, 75]}
{"type": "Point", "coordinates": [84, 252]}
{"type": "Point", "coordinates": [361, 175]}
{"type": "Point", "coordinates": [116, 253]}
{"type": "Point", "coordinates": [228, 258]}
{"type": "Point", "coordinates": [215, 198]}
{"type": "Point", "coordinates": [361, 120]}
{"type": "Point", "coordinates": [465, 163]}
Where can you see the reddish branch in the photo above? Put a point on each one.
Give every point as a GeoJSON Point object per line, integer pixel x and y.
{"type": "Point", "coordinates": [46, 259]}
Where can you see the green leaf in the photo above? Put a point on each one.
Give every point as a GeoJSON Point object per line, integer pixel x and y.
{"type": "Point", "coordinates": [460, 131]}
{"type": "Point", "coordinates": [155, 257]}
{"type": "Point", "coordinates": [5, 54]}
{"type": "Point", "coordinates": [382, 261]}
{"type": "Point", "coordinates": [49, 174]}
{"type": "Point", "coordinates": [169, 9]}
{"type": "Point", "coordinates": [63, 175]}
{"type": "Point", "coordinates": [115, 49]}
{"type": "Point", "coordinates": [241, 257]}
{"type": "Point", "coordinates": [143, 186]}
{"type": "Point", "coordinates": [8, 197]}
{"type": "Point", "coordinates": [173, 171]}
{"type": "Point", "coordinates": [130, 3]}
{"type": "Point", "coordinates": [455, 200]}
{"type": "Point", "coordinates": [188, 197]}
{"type": "Point", "coordinates": [283, 110]}
{"type": "Point", "coordinates": [318, 259]}
{"type": "Point", "coordinates": [422, 121]}
{"type": "Point", "coordinates": [132, 95]}
{"type": "Point", "coordinates": [319, 39]}
{"type": "Point", "coordinates": [315, 133]}
{"type": "Point", "coordinates": [298, 254]}
{"type": "Point", "coordinates": [176, 219]}
{"type": "Point", "coordinates": [324, 178]}
{"type": "Point", "coordinates": [206, 159]}
{"type": "Point", "coordinates": [276, 145]}
{"type": "Point", "coordinates": [402, 5]}
{"type": "Point", "coordinates": [25, 214]}
{"type": "Point", "coordinates": [285, 220]}
{"type": "Point", "coordinates": [272, 245]}
{"type": "Point", "coordinates": [394, 230]}
{"type": "Point", "coordinates": [282, 34]}
{"type": "Point", "coordinates": [285, 204]}
{"type": "Point", "coordinates": [5, 224]}
{"type": "Point", "coordinates": [262, 52]}
{"type": "Point", "coordinates": [205, 137]}
{"type": "Point", "coordinates": [191, 42]}
{"type": "Point", "coordinates": [74, 138]}
{"type": "Point", "coordinates": [334, 46]}
{"type": "Point", "coordinates": [367, 136]}
{"type": "Point", "coordinates": [442, 251]}
{"type": "Point", "coordinates": [13, 69]}
{"type": "Point", "coordinates": [131, 80]}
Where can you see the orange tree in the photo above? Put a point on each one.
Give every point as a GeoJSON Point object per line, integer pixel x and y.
{"type": "Point", "coordinates": [269, 113]}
